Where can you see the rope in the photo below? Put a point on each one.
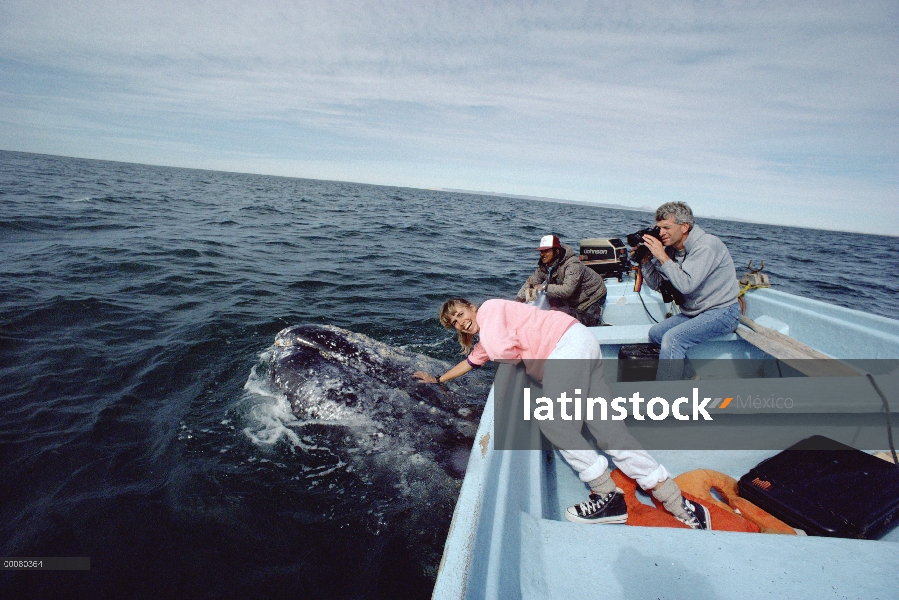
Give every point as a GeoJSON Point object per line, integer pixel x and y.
{"type": "Point", "coordinates": [750, 286]}
{"type": "Point", "coordinates": [638, 287]}
{"type": "Point", "coordinates": [886, 407]}
{"type": "Point", "coordinates": [640, 296]}
{"type": "Point", "coordinates": [745, 288]}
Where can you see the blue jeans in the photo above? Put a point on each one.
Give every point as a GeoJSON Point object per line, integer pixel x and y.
{"type": "Point", "coordinates": [678, 333]}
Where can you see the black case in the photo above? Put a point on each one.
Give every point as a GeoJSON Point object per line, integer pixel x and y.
{"type": "Point", "coordinates": [638, 362]}
{"type": "Point", "coordinates": [827, 488]}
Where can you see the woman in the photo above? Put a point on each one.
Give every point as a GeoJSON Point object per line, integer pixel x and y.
{"type": "Point", "coordinates": [541, 339]}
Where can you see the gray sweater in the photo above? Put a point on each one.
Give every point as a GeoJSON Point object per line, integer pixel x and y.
{"type": "Point", "coordinates": [704, 273]}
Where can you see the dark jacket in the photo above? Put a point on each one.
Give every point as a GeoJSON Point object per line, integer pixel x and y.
{"type": "Point", "coordinates": [571, 283]}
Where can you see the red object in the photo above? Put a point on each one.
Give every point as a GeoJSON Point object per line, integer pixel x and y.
{"type": "Point", "coordinates": [549, 241]}
{"type": "Point", "coordinates": [643, 515]}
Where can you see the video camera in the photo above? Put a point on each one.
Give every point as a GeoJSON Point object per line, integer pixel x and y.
{"type": "Point", "coordinates": [667, 289]}
{"type": "Point", "coordinates": [636, 239]}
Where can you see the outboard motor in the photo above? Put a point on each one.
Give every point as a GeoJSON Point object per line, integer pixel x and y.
{"type": "Point", "coordinates": [606, 256]}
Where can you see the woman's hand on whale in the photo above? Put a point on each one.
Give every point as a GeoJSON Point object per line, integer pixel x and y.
{"type": "Point", "coordinates": [426, 377]}
{"type": "Point", "coordinates": [460, 369]}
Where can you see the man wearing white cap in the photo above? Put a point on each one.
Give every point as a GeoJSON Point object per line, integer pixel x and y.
{"type": "Point", "coordinates": [570, 286]}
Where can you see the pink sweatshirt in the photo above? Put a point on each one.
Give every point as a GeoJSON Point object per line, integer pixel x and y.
{"type": "Point", "coordinates": [513, 331]}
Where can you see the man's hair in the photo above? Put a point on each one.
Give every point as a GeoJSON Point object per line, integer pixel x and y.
{"type": "Point", "coordinates": [679, 211]}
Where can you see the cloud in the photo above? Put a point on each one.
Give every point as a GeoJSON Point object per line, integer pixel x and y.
{"type": "Point", "coordinates": [775, 107]}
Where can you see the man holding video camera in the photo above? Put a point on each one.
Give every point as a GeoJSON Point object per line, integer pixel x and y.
{"type": "Point", "coordinates": [699, 266]}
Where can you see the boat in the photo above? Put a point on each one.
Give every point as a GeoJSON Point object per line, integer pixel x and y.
{"type": "Point", "coordinates": [509, 539]}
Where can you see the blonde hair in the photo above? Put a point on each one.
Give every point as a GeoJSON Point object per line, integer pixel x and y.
{"type": "Point", "coordinates": [447, 312]}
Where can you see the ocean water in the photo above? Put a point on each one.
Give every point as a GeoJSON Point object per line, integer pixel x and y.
{"type": "Point", "coordinates": [138, 423]}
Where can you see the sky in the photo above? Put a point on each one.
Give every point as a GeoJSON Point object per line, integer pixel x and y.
{"type": "Point", "coordinates": [776, 112]}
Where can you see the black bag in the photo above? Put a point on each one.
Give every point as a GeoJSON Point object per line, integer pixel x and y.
{"type": "Point", "coordinates": [638, 362]}
{"type": "Point", "coordinates": [827, 488]}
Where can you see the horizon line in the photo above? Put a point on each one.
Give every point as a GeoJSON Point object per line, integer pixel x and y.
{"type": "Point", "coordinates": [597, 204]}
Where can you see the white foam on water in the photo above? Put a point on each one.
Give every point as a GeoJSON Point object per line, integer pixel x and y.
{"type": "Point", "coordinates": [340, 464]}
{"type": "Point", "coordinates": [270, 422]}
{"type": "Point", "coordinates": [436, 343]}
{"type": "Point", "coordinates": [270, 418]}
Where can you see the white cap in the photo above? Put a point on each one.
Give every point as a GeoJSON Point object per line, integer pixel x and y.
{"type": "Point", "coordinates": [549, 241]}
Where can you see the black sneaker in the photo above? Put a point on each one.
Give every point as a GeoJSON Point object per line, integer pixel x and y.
{"type": "Point", "coordinates": [599, 509]}
{"type": "Point", "coordinates": [699, 515]}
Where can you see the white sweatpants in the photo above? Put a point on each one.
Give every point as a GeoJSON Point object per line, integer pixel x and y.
{"type": "Point", "coordinates": [575, 367]}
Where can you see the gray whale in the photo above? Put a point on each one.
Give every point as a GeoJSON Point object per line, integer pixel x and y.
{"type": "Point", "coordinates": [338, 377]}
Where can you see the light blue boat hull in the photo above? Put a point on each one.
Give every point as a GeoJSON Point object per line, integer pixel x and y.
{"type": "Point", "coordinates": [508, 538]}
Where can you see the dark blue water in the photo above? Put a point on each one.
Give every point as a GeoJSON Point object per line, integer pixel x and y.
{"type": "Point", "coordinates": [137, 305]}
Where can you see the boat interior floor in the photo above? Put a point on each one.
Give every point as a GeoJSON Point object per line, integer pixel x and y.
{"type": "Point", "coordinates": [567, 560]}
